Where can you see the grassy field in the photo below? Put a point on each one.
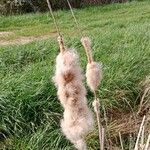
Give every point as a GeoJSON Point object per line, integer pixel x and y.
{"type": "Point", "coordinates": [29, 109]}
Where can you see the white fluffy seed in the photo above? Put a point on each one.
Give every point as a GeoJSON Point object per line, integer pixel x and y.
{"type": "Point", "coordinates": [93, 75]}
{"type": "Point", "coordinates": [77, 118]}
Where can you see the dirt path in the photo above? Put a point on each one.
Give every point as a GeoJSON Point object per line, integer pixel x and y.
{"type": "Point", "coordinates": [23, 40]}
{"type": "Point", "coordinates": [5, 33]}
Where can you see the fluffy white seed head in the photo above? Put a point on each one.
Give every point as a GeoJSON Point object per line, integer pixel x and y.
{"type": "Point", "coordinates": [94, 75]}
{"type": "Point", "coordinates": [77, 118]}
{"type": "Point", "coordinates": [66, 67]}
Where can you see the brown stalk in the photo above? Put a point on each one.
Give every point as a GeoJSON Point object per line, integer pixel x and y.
{"type": "Point", "coordinates": [142, 99]}
{"type": "Point", "coordinates": [121, 141]}
{"type": "Point", "coordinates": [142, 139]}
{"type": "Point", "coordinates": [139, 134]}
{"type": "Point", "coordinates": [88, 50]}
{"type": "Point", "coordinates": [61, 44]}
{"type": "Point", "coordinates": [147, 143]}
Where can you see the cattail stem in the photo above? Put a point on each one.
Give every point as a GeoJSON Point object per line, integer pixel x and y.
{"type": "Point", "coordinates": [61, 43]}
{"type": "Point", "coordinates": [95, 77]}
{"type": "Point", "coordinates": [96, 106]}
{"type": "Point", "coordinates": [98, 122]}
{"type": "Point", "coordinates": [87, 46]}
{"type": "Point", "coordinates": [95, 95]}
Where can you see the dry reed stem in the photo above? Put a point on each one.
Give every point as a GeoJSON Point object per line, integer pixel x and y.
{"type": "Point", "coordinates": [147, 147]}
{"type": "Point", "coordinates": [106, 128]}
{"type": "Point", "coordinates": [142, 138]}
{"type": "Point", "coordinates": [130, 141]}
{"type": "Point", "coordinates": [120, 138]}
{"type": "Point", "coordinates": [142, 99]}
{"type": "Point", "coordinates": [139, 133]}
{"type": "Point", "coordinates": [103, 139]}
{"type": "Point", "coordinates": [125, 126]}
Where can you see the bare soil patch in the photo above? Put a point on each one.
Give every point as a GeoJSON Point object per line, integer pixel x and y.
{"type": "Point", "coordinates": [23, 40]}
{"type": "Point", "coordinates": [5, 33]}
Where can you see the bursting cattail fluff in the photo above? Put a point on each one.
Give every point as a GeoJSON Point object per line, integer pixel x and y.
{"type": "Point", "coordinates": [94, 69]}
{"type": "Point", "coordinates": [93, 75]}
{"type": "Point", "coordinates": [93, 78]}
{"type": "Point", "coordinates": [77, 118]}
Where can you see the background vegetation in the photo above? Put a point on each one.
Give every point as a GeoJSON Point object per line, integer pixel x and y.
{"type": "Point", "coordinates": [29, 109]}
{"type": "Point", "coordinates": [25, 6]}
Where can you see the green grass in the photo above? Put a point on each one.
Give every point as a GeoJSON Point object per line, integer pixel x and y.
{"type": "Point", "coordinates": [29, 109]}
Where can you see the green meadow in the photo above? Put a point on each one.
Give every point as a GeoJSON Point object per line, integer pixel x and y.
{"type": "Point", "coordinates": [30, 112]}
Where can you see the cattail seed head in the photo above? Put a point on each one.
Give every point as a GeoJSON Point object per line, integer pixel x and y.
{"type": "Point", "coordinates": [77, 118]}
{"type": "Point", "coordinates": [93, 75]}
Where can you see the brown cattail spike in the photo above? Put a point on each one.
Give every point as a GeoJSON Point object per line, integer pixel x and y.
{"type": "Point", "coordinates": [61, 43]}
{"type": "Point", "coordinates": [86, 42]}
